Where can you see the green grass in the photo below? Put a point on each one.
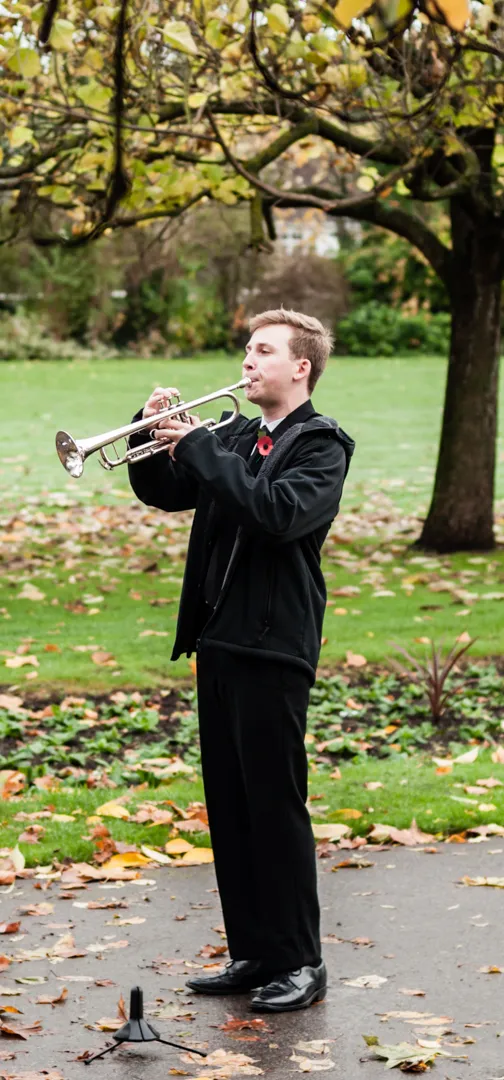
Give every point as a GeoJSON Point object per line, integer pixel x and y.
{"type": "Point", "coordinates": [392, 407]}
{"type": "Point", "coordinates": [72, 554]}
{"type": "Point", "coordinates": [411, 789]}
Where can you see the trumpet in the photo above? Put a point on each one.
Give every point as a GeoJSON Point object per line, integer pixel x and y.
{"type": "Point", "coordinates": [73, 452]}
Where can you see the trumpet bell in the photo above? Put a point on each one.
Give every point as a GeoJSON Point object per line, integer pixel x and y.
{"type": "Point", "coordinates": [70, 454]}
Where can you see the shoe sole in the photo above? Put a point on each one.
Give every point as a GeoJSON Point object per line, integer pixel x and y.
{"type": "Point", "coordinates": [319, 995]}
{"type": "Point", "coordinates": [220, 992]}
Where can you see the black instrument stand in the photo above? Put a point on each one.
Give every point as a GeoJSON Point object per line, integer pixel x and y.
{"type": "Point", "coordinates": [136, 1029]}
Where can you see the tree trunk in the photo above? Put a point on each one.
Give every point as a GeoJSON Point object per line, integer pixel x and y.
{"type": "Point", "coordinates": [460, 517]}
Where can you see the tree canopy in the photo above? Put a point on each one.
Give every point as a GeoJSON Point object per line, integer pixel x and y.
{"type": "Point", "coordinates": [117, 114]}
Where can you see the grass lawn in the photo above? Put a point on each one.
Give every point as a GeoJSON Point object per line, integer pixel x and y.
{"type": "Point", "coordinates": [392, 407]}
{"type": "Point", "coordinates": [107, 571]}
{"type": "Point", "coordinates": [91, 581]}
{"type": "Point", "coordinates": [410, 789]}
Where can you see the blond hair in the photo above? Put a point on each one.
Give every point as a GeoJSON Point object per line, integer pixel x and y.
{"type": "Point", "coordinates": [310, 338]}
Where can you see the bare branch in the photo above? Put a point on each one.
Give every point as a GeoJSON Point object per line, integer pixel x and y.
{"type": "Point", "coordinates": [271, 83]}
{"type": "Point", "coordinates": [341, 206]}
{"type": "Point", "coordinates": [398, 221]}
{"type": "Point", "coordinates": [125, 222]}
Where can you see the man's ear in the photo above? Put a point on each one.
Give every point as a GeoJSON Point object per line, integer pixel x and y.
{"type": "Point", "coordinates": [303, 369]}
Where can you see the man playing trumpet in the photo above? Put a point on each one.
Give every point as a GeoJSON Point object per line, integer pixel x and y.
{"type": "Point", "coordinates": [265, 492]}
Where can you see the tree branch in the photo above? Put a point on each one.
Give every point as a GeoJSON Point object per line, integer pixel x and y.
{"type": "Point", "coordinates": [355, 144]}
{"type": "Point", "coordinates": [398, 221]}
{"type": "Point", "coordinates": [126, 222]}
{"type": "Point", "coordinates": [339, 205]}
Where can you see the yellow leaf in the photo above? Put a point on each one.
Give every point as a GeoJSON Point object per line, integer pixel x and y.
{"type": "Point", "coordinates": [467, 758]}
{"type": "Point", "coordinates": [20, 135]}
{"type": "Point", "coordinates": [195, 100]}
{"type": "Point", "coordinates": [17, 858]}
{"type": "Point", "coordinates": [94, 59]}
{"type": "Point", "coordinates": [178, 847]}
{"type": "Point", "coordinates": [94, 95]}
{"type": "Point", "coordinates": [456, 12]}
{"type": "Point", "coordinates": [365, 183]}
{"type": "Point", "coordinates": [178, 36]}
{"type": "Point", "coordinates": [392, 11]}
{"type": "Point", "coordinates": [347, 10]}
{"type": "Point", "coordinates": [349, 812]}
{"type": "Point", "coordinates": [198, 855]}
{"type": "Point", "coordinates": [157, 856]}
{"type": "Point", "coordinates": [25, 62]}
{"type": "Point", "coordinates": [112, 809]}
{"type": "Point", "coordinates": [240, 9]}
{"type": "Point", "coordinates": [62, 33]}
{"type": "Point", "coordinates": [126, 858]}
{"type": "Point", "coordinates": [62, 817]}
{"type": "Point", "coordinates": [278, 19]}
{"type": "Point", "coordinates": [330, 832]}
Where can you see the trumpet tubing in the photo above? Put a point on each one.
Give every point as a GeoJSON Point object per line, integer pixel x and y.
{"type": "Point", "coordinates": [74, 452]}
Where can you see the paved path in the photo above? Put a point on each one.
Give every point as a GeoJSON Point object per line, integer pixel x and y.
{"type": "Point", "coordinates": [428, 932]}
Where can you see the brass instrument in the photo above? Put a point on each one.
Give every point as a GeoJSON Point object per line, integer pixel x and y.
{"type": "Point", "coordinates": [73, 452]}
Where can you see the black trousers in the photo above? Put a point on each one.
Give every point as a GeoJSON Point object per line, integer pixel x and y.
{"type": "Point", "coordinates": [252, 718]}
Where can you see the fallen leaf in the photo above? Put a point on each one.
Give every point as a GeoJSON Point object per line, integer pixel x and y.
{"type": "Point", "coordinates": [20, 661]}
{"type": "Point", "coordinates": [46, 999]}
{"type": "Point", "coordinates": [112, 809]}
{"type": "Point", "coordinates": [355, 659]}
{"type": "Point", "coordinates": [103, 659]}
{"type": "Point", "coordinates": [30, 592]}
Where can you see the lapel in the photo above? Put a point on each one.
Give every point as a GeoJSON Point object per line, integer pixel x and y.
{"type": "Point", "coordinates": [297, 416]}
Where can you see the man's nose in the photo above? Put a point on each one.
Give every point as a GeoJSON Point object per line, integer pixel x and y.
{"type": "Point", "coordinates": [248, 362]}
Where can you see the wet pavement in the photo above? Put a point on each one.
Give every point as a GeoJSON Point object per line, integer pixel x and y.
{"type": "Point", "coordinates": [426, 932]}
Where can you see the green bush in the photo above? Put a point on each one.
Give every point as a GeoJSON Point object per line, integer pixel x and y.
{"type": "Point", "coordinates": [24, 337]}
{"type": "Point", "coordinates": [375, 329]}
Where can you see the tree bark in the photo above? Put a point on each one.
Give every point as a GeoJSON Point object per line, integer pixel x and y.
{"type": "Point", "coordinates": [461, 512]}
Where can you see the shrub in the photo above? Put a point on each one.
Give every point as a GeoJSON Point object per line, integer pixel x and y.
{"type": "Point", "coordinates": [24, 337]}
{"type": "Point", "coordinates": [375, 329]}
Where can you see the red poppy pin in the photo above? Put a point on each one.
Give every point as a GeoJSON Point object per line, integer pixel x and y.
{"type": "Point", "coordinates": [265, 445]}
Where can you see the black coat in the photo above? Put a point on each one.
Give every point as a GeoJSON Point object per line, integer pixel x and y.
{"type": "Point", "coordinates": [273, 597]}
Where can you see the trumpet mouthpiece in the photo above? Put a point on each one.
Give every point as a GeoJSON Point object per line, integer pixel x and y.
{"type": "Point", "coordinates": [69, 453]}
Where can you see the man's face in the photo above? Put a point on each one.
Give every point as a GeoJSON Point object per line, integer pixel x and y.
{"type": "Point", "coordinates": [269, 364]}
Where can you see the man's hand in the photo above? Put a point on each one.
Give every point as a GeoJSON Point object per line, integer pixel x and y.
{"type": "Point", "coordinates": [159, 399]}
{"type": "Point", "coordinates": [172, 430]}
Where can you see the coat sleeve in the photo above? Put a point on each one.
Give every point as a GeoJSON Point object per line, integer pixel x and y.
{"type": "Point", "coordinates": [158, 481]}
{"type": "Point", "coordinates": [305, 496]}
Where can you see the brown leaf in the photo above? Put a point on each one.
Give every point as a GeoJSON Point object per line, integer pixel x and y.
{"type": "Point", "coordinates": [11, 782]}
{"type": "Point", "coordinates": [210, 951]}
{"type": "Point", "coordinates": [103, 659]}
{"type": "Point", "coordinates": [409, 837]}
{"type": "Point", "coordinates": [37, 909]}
{"type": "Point", "coordinates": [235, 1024]}
{"type": "Point", "coordinates": [355, 659]}
{"type": "Point", "coordinates": [46, 999]}
{"type": "Point", "coordinates": [9, 927]}
{"type": "Point", "coordinates": [20, 1031]}
{"type": "Point", "coordinates": [10, 701]}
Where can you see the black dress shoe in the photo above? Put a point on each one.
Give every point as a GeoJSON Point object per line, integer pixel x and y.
{"type": "Point", "coordinates": [292, 990]}
{"type": "Point", "coordinates": [239, 977]}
